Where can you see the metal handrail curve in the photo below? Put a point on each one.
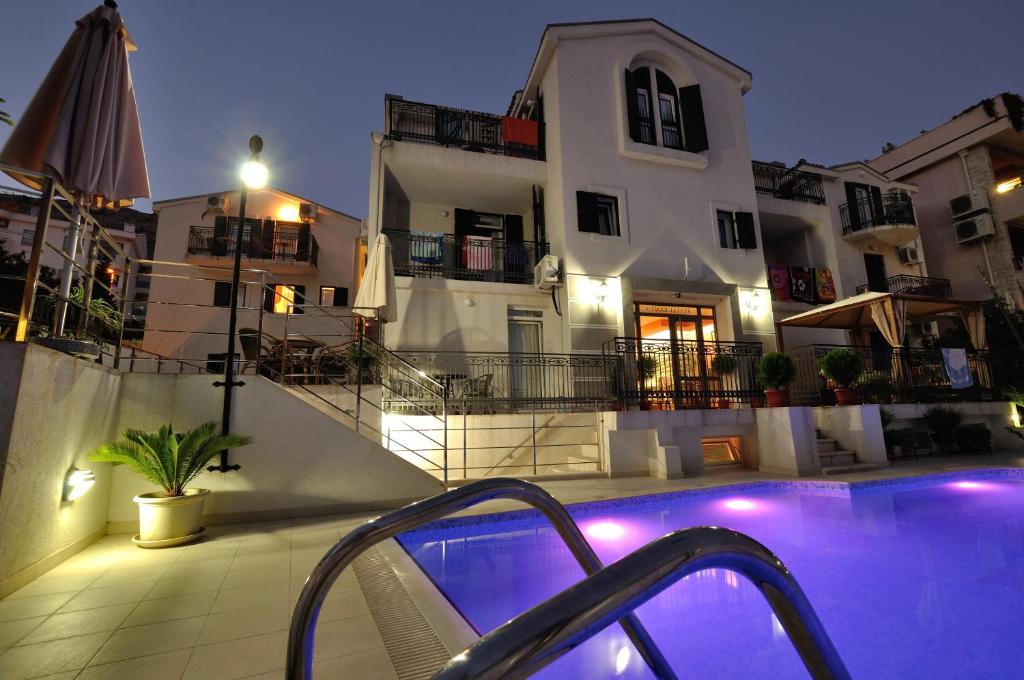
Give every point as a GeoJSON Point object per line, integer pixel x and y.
{"type": "Point", "coordinates": [534, 639]}
{"type": "Point", "coordinates": [307, 609]}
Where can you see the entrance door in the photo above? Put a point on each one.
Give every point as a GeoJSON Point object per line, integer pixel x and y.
{"type": "Point", "coordinates": [524, 342]}
{"type": "Point", "coordinates": [874, 265]}
{"type": "Point", "coordinates": [675, 342]}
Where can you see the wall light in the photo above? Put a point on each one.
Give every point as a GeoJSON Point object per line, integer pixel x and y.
{"type": "Point", "coordinates": [754, 303]}
{"type": "Point", "coordinates": [76, 483]}
{"type": "Point", "coordinates": [288, 213]}
{"type": "Point", "coordinates": [1008, 185]}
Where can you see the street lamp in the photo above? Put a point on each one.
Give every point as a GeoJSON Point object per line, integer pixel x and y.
{"type": "Point", "coordinates": [254, 176]}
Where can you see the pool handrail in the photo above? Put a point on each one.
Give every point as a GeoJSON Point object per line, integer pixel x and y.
{"type": "Point", "coordinates": [537, 637]}
{"type": "Point", "coordinates": [314, 591]}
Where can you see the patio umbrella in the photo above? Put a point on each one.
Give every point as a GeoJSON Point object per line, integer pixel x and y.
{"type": "Point", "coordinates": [377, 298]}
{"type": "Point", "coordinates": [82, 125]}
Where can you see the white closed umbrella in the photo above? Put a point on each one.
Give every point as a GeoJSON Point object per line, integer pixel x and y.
{"type": "Point", "coordinates": [377, 298]}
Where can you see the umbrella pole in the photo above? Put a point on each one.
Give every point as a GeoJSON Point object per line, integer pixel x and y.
{"type": "Point", "coordinates": [70, 250]}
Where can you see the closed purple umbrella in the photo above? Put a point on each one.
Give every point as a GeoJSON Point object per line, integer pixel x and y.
{"type": "Point", "coordinates": [82, 125]}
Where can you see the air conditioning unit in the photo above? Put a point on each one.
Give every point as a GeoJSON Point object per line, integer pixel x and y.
{"type": "Point", "coordinates": [968, 204]}
{"type": "Point", "coordinates": [909, 254]}
{"type": "Point", "coordinates": [308, 212]}
{"type": "Point", "coordinates": [922, 328]}
{"type": "Point", "coordinates": [216, 202]}
{"type": "Point", "coordinates": [547, 274]}
{"type": "Point", "coordinates": [974, 228]}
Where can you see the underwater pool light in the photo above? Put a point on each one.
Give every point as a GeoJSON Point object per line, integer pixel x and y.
{"type": "Point", "coordinates": [605, 531]}
{"type": "Point", "coordinates": [739, 504]}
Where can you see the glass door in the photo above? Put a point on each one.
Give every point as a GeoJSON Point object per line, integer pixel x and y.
{"type": "Point", "coordinates": [676, 343]}
{"type": "Point", "coordinates": [524, 346]}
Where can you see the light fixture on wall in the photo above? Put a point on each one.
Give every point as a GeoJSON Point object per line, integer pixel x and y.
{"type": "Point", "coordinates": [1009, 185]}
{"type": "Point", "coordinates": [288, 213]}
{"type": "Point", "coordinates": [76, 483]}
{"type": "Point", "coordinates": [753, 303]}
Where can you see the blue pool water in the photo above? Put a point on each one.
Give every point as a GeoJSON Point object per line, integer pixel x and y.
{"type": "Point", "coordinates": [921, 578]}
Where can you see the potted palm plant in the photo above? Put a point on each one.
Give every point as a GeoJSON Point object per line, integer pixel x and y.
{"type": "Point", "coordinates": [723, 365]}
{"type": "Point", "coordinates": [173, 515]}
{"type": "Point", "coordinates": [843, 367]}
{"type": "Point", "coordinates": [775, 372]}
{"type": "Point", "coordinates": [648, 370]}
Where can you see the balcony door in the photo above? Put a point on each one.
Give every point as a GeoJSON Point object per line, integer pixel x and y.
{"type": "Point", "coordinates": [874, 267]}
{"type": "Point", "coordinates": [676, 343]}
{"type": "Point", "coordinates": [525, 340]}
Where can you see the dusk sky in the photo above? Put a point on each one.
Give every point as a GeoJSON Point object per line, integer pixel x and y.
{"type": "Point", "coordinates": [832, 81]}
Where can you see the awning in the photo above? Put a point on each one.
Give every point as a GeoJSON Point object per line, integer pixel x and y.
{"type": "Point", "coordinates": [888, 313]}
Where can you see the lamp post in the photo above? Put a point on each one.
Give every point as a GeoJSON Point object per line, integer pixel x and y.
{"type": "Point", "coordinates": [254, 176]}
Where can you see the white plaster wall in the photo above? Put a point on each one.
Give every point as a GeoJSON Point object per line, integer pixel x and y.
{"type": "Point", "coordinates": [855, 428]}
{"type": "Point", "coordinates": [302, 461]}
{"type": "Point", "coordinates": [54, 411]}
{"type": "Point", "coordinates": [787, 441]}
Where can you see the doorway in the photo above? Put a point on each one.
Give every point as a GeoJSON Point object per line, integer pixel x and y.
{"type": "Point", "coordinates": [525, 339]}
{"type": "Point", "coordinates": [674, 342]}
{"type": "Point", "coordinates": [874, 266]}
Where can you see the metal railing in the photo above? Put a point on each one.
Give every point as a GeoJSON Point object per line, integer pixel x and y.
{"type": "Point", "coordinates": [894, 207]}
{"type": "Point", "coordinates": [904, 284]}
{"type": "Point", "coordinates": [301, 635]}
{"type": "Point", "coordinates": [511, 382]}
{"type": "Point", "coordinates": [536, 638]}
{"type": "Point", "coordinates": [905, 375]}
{"type": "Point", "coordinates": [468, 258]}
{"type": "Point", "coordinates": [458, 128]}
{"type": "Point", "coordinates": [286, 244]}
{"type": "Point", "coordinates": [665, 374]}
{"type": "Point", "coordinates": [787, 184]}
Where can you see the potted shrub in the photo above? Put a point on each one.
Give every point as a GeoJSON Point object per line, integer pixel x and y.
{"type": "Point", "coordinates": [174, 514]}
{"type": "Point", "coordinates": [973, 438]}
{"type": "Point", "coordinates": [723, 365]}
{"type": "Point", "coordinates": [775, 372]}
{"type": "Point", "coordinates": [876, 387]}
{"type": "Point", "coordinates": [648, 368]}
{"type": "Point", "coordinates": [843, 367]}
{"type": "Point", "coordinates": [943, 422]}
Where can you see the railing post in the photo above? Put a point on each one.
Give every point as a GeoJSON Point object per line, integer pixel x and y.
{"type": "Point", "coordinates": [90, 278]}
{"type": "Point", "coordinates": [123, 308]}
{"type": "Point", "coordinates": [359, 379]}
{"type": "Point", "coordinates": [286, 358]}
{"type": "Point", "coordinates": [533, 433]}
{"type": "Point", "coordinates": [259, 323]}
{"type": "Point", "coordinates": [465, 473]}
{"type": "Point", "coordinates": [28, 295]}
{"type": "Point", "coordinates": [444, 417]}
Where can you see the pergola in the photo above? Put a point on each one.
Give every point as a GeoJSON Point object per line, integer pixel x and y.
{"type": "Point", "coordinates": [889, 313]}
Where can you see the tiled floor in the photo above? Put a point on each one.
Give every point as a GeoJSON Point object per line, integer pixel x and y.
{"type": "Point", "coordinates": [220, 608]}
{"type": "Point", "coordinates": [216, 609]}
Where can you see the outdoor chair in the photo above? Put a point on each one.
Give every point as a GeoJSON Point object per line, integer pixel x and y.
{"type": "Point", "coordinates": [479, 393]}
{"type": "Point", "coordinates": [262, 347]}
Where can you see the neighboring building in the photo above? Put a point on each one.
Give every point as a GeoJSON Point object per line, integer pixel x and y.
{"type": "Point", "coordinates": [310, 254]}
{"type": "Point", "coordinates": [971, 199]}
{"type": "Point", "coordinates": [131, 230]}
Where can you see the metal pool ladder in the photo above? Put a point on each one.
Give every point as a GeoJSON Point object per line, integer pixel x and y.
{"type": "Point", "coordinates": [539, 636]}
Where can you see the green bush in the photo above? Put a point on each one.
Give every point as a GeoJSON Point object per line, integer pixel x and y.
{"type": "Point", "coordinates": [723, 364]}
{"type": "Point", "coordinates": [776, 370]}
{"type": "Point", "coordinates": [943, 422]}
{"type": "Point", "coordinates": [843, 366]}
{"type": "Point", "coordinates": [648, 367]}
{"type": "Point", "coordinates": [876, 387]}
{"type": "Point", "coordinates": [973, 438]}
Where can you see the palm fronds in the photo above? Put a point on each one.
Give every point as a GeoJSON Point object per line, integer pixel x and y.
{"type": "Point", "coordinates": [168, 459]}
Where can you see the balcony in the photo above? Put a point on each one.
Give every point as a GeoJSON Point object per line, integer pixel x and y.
{"type": "Point", "coordinates": [425, 255]}
{"type": "Point", "coordinates": [788, 185]}
{"type": "Point", "coordinates": [924, 286]}
{"type": "Point", "coordinates": [883, 220]}
{"type": "Point", "coordinates": [461, 129]}
{"type": "Point", "coordinates": [903, 375]}
{"type": "Point", "coordinates": [287, 245]}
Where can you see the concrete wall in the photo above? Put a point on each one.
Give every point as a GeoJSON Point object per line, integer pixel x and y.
{"type": "Point", "coordinates": [855, 428]}
{"type": "Point", "coordinates": [787, 441]}
{"type": "Point", "coordinates": [997, 415]}
{"type": "Point", "coordinates": [54, 411]}
{"type": "Point", "coordinates": [302, 461]}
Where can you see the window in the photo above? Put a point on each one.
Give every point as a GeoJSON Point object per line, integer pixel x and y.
{"type": "Point", "coordinates": [736, 230]}
{"type": "Point", "coordinates": [679, 115]}
{"type": "Point", "coordinates": [222, 294]}
{"type": "Point", "coordinates": [597, 213]}
{"type": "Point", "coordinates": [333, 296]}
{"type": "Point", "coordinates": [284, 299]}
{"type": "Point", "coordinates": [668, 109]}
{"type": "Point", "coordinates": [27, 236]}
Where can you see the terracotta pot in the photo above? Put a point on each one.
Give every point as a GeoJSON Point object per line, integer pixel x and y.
{"type": "Point", "coordinates": [847, 396]}
{"type": "Point", "coordinates": [170, 520]}
{"type": "Point", "coordinates": [777, 397]}
{"type": "Point", "coordinates": [723, 403]}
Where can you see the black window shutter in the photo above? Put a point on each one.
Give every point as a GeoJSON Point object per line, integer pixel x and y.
{"type": "Point", "coordinates": [300, 299]}
{"type": "Point", "coordinates": [877, 210]}
{"type": "Point", "coordinates": [513, 228]}
{"type": "Point", "coordinates": [267, 238]}
{"type": "Point", "coordinates": [222, 294]}
{"type": "Point", "coordinates": [852, 209]}
{"type": "Point", "coordinates": [632, 108]}
{"type": "Point", "coordinates": [268, 298]}
{"type": "Point", "coordinates": [220, 236]}
{"type": "Point", "coordinates": [302, 247]}
{"type": "Point", "coordinates": [463, 221]}
{"type": "Point", "coordinates": [586, 211]}
{"type": "Point", "coordinates": [691, 109]}
{"type": "Point", "coordinates": [746, 236]}
{"type": "Point", "coordinates": [340, 296]}
{"type": "Point", "coordinates": [723, 237]}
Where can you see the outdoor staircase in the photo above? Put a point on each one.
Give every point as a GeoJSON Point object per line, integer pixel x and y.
{"type": "Point", "coordinates": [836, 461]}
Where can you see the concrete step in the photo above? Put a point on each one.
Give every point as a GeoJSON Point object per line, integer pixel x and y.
{"type": "Point", "coordinates": [825, 444]}
{"type": "Point", "coordinates": [847, 469]}
{"type": "Point", "coordinates": [831, 458]}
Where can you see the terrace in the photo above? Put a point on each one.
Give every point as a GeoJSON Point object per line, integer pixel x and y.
{"type": "Point", "coordinates": [277, 242]}
{"type": "Point", "coordinates": [879, 219]}
{"type": "Point", "coordinates": [427, 255]}
{"type": "Point", "coordinates": [788, 184]}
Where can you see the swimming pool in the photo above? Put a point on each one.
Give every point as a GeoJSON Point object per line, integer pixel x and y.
{"type": "Point", "coordinates": [912, 578]}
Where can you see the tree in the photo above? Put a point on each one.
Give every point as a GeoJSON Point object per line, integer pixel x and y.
{"type": "Point", "coordinates": [4, 116]}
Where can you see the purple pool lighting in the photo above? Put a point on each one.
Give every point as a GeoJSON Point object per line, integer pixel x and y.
{"type": "Point", "coordinates": [910, 578]}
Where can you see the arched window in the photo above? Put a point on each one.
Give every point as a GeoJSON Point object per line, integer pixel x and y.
{"type": "Point", "coordinates": [640, 106]}
{"type": "Point", "coordinates": [674, 119]}
{"type": "Point", "coordinates": [668, 110]}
